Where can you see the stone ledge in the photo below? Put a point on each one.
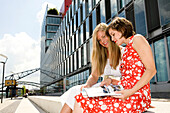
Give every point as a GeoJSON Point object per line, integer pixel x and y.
{"type": "Point", "coordinates": [47, 103]}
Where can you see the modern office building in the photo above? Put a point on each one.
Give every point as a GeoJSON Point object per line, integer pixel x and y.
{"type": "Point", "coordinates": [68, 56]}
{"type": "Point", "coordinates": [50, 25]}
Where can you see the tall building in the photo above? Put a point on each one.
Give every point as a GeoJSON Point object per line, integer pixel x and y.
{"type": "Point", "coordinates": [68, 56]}
{"type": "Point", "coordinates": [50, 25]}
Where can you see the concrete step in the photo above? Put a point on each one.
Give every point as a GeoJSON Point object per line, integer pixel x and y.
{"type": "Point", "coordinates": [26, 107]}
{"type": "Point", "coordinates": [50, 104]}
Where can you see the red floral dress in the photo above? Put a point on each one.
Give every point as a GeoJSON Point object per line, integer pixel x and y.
{"type": "Point", "coordinates": [131, 69]}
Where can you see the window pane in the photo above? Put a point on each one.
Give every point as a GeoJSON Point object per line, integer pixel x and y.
{"type": "Point", "coordinates": [153, 79]}
{"type": "Point", "coordinates": [164, 11]}
{"type": "Point", "coordinates": [102, 11]}
{"type": "Point", "coordinates": [71, 28]}
{"type": "Point", "coordinates": [75, 60]}
{"type": "Point", "coordinates": [130, 15]}
{"type": "Point", "coordinates": [79, 57]}
{"type": "Point", "coordinates": [152, 14]}
{"type": "Point", "coordinates": [90, 5]}
{"type": "Point", "coordinates": [84, 10]}
{"type": "Point", "coordinates": [52, 28]}
{"type": "Point", "coordinates": [50, 35]}
{"type": "Point", "coordinates": [160, 58]}
{"type": "Point", "coordinates": [71, 64]}
{"type": "Point", "coordinates": [168, 42]}
{"type": "Point", "coordinates": [79, 19]}
{"type": "Point", "coordinates": [87, 28]}
{"type": "Point", "coordinates": [121, 4]}
{"type": "Point", "coordinates": [93, 3]}
{"type": "Point", "coordinates": [74, 23]}
{"type": "Point", "coordinates": [73, 43]}
{"type": "Point", "coordinates": [72, 8]}
{"type": "Point", "coordinates": [81, 34]}
{"type": "Point", "coordinates": [82, 56]}
{"type": "Point", "coordinates": [48, 42]}
{"type": "Point", "coordinates": [108, 10]}
{"type": "Point", "coordinates": [87, 7]}
{"type": "Point", "coordinates": [98, 14]}
{"type": "Point", "coordinates": [91, 46]}
{"type": "Point", "coordinates": [79, 37]}
{"type": "Point", "coordinates": [77, 40]}
{"type": "Point", "coordinates": [85, 54]}
{"type": "Point", "coordinates": [113, 7]}
{"type": "Point", "coordinates": [94, 18]}
{"type": "Point", "coordinates": [140, 17]}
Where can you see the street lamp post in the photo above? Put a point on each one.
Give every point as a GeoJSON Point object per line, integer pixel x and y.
{"type": "Point", "coordinates": [3, 62]}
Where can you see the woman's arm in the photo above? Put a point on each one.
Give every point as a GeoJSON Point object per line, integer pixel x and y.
{"type": "Point", "coordinates": [143, 49]}
{"type": "Point", "coordinates": [92, 79]}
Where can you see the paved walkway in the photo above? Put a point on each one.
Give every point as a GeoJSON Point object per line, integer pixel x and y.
{"type": "Point", "coordinates": [19, 105]}
{"type": "Point", "coordinates": [161, 106]}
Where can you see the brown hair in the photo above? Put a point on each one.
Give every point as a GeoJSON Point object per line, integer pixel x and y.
{"type": "Point", "coordinates": [100, 53]}
{"type": "Point", "coordinates": [122, 25]}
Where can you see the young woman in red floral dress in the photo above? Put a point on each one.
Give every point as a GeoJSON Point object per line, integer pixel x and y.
{"type": "Point", "coordinates": [137, 69]}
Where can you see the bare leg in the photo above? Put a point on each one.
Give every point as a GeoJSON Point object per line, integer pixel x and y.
{"type": "Point", "coordinates": [77, 108]}
{"type": "Point", "coordinates": [66, 109]}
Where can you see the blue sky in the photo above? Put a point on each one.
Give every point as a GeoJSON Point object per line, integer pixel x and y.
{"type": "Point", "coordinates": [20, 33]}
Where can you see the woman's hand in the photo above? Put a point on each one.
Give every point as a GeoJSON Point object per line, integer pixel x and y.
{"type": "Point", "coordinates": [106, 82]}
{"type": "Point", "coordinates": [109, 81]}
{"type": "Point", "coordinates": [124, 94]}
{"type": "Point", "coordinates": [84, 86]}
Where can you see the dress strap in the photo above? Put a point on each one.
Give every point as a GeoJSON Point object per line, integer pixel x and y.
{"type": "Point", "coordinates": [131, 39]}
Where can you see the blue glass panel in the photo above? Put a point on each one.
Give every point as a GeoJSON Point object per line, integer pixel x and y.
{"type": "Point", "coordinates": [160, 58]}
{"type": "Point", "coordinates": [87, 7]}
{"type": "Point", "coordinates": [79, 19]}
{"type": "Point", "coordinates": [79, 57]}
{"type": "Point", "coordinates": [113, 7]}
{"type": "Point", "coordinates": [84, 10]}
{"type": "Point", "coordinates": [140, 17]}
{"type": "Point", "coordinates": [121, 3]}
{"type": "Point", "coordinates": [87, 28]}
{"type": "Point", "coordinates": [168, 42]}
{"type": "Point", "coordinates": [50, 35]}
{"type": "Point", "coordinates": [52, 28]}
{"type": "Point", "coordinates": [153, 79]}
{"type": "Point", "coordinates": [90, 5]}
{"type": "Point", "coordinates": [72, 8]}
{"type": "Point", "coordinates": [81, 34]}
{"type": "Point", "coordinates": [102, 11]}
{"type": "Point", "coordinates": [94, 19]}
{"type": "Point", "coordinates": [93, 3]}
{"type": "Point", "coordinates": [91, 46]}
{"type": "Point", "coordinates": [85, 54]}
{"type": "Point", "coordinates": [75, 23]}
{"type": "Point", "coordinates": [164, 11]}
{"type": "Point", "coordinates": [77, 39]}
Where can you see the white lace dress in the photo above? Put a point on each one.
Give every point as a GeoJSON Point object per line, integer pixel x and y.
{"type": "Point", "coordinates": [68, 96]}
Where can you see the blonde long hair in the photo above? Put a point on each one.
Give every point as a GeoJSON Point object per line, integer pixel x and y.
{"type": "Point", "coordinates": [100, 53]}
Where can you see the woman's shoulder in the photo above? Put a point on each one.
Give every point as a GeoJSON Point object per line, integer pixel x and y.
{"type": "Point", "coordinates": [139, 41]}
{"type": "Point", "coordinates": [138, 38]}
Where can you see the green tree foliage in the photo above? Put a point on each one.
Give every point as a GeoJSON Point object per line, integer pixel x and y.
{"type": "Point", "coordinates": [53, 11]}
{"type": "Point", "coordinates": [23, 92]}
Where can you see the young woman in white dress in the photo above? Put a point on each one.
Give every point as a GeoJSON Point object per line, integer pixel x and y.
{"type": "Point", "coordinates": [101, 66]}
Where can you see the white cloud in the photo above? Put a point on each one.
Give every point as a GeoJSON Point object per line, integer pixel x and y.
{"type": "Point", "coordinates": [23, 54]}
{"type": "Point", "coordinates": [40, 14]}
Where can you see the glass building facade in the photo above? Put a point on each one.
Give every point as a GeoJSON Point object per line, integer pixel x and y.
{"type": "Point", "coordinates": [68, 56]}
